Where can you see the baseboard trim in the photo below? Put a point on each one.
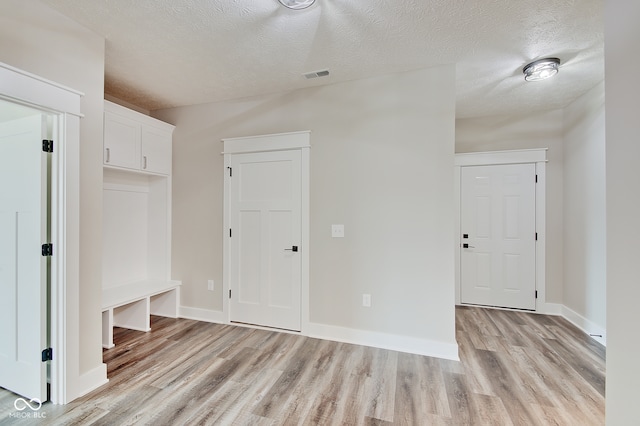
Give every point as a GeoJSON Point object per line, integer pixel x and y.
{"type": "Point", "coordinates": [598, 333]}
{"type": "Point", "coordinates": [199, 314]}
{"type": "Point", "coordinates": [550, 309]}
{"type": "Point", "coordinates": [383, 341]}
{"type": "Point", "coordinates": [89, 382]}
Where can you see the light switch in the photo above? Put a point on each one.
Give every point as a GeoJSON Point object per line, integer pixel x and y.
{"type": "Point", "coordinates": [337, 231]}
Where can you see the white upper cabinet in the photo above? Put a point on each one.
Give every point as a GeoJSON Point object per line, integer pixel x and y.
{"type": "Point", "coordinates": [156, 150]}
{"type": "Point", "coordinates": [136, 141]}
{"type": "Point", "coordinates": [121, 141]}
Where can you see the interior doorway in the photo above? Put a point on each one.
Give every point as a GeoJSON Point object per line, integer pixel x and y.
{"type": "Point", "coordinates": [62, 105]}
{"type": "Point", "coordinates": [498, 226]}
{"type": "Point", "coordinates": [500, 232]}
{"type": "Point", "coordinates": [266, 251]}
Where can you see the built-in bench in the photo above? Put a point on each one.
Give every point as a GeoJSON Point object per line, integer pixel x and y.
{"type": "Point", "coordinates": [131, 305]}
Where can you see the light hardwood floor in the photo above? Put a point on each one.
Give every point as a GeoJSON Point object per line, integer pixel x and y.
{"type": "Point", "coordinates": [516, 368]}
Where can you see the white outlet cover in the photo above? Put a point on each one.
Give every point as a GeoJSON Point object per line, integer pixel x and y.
{"type": "Point", "coordinates": [366, 300]}
{"type": "Point", "coordinates": [337, 231]}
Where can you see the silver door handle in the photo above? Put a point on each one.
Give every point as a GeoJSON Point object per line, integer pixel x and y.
{"type": "Point", "coordinates": [108, 155]}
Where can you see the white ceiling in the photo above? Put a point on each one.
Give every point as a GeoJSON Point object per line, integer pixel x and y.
{"type": "Point", "coordinates": [166, 53]}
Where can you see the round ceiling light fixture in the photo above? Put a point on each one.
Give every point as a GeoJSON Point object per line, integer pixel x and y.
{"type": "Point", "coordinates": [541, 69]}
{"type": "Point", "coordinates": [297, 4]}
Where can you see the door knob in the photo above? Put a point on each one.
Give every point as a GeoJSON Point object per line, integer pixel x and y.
{"type": "Point", "coordinates": [293, 248]}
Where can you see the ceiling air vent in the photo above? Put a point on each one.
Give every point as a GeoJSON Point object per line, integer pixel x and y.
{"type": "Point", "coordinates": [316, 74]}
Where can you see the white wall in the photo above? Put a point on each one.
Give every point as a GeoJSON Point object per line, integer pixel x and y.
{"type": "Point", "coordinates": [539, 130]}
{"type": "Point", "coordinates": [39, 40]}
{"type": "Point", "coordinates": [622, 34]}
{"type": "Point", "coordinates": [584, 236]}
{"type": "Point", "coordinates": [381, 164]}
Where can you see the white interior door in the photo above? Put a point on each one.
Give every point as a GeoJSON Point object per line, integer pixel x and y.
{"type": "Point", "coordinates": [265, 220]}
{"type": "Point", "coordinates": [23, 269]}
{"type": "Point", "coordinates": [498, 236]}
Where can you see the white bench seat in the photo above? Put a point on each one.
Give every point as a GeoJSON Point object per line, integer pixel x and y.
{"type": "Point", "coordinates": [131, 305]}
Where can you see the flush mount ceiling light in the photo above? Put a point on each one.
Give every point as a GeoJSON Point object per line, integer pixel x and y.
{"type": "Point", "coordinates": [541, 69]}
{"type": "Point", "coordinates": [297, 4]}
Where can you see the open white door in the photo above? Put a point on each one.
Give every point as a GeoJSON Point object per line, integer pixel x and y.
{"type": "Point", "coordinates": [265, 212]}
{"type": "Point", "coordinates": [498, 236]}
{"type": "Point", "coordinates": [23, 268]}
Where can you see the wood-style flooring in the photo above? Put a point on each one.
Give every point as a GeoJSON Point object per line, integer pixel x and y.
{"type": "Point", "coordinates": [516, 369]}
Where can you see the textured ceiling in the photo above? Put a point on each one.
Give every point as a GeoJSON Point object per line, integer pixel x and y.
{"type": "Point", "coordinates": [165, 53]}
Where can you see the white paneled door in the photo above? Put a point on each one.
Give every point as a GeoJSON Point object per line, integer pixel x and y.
{"type": "Point", "coordinates": [498, 236]}
{"type": "Point", "coordinates": [265, 235]}
{"type": "Point", "coordinates": [23, 268]}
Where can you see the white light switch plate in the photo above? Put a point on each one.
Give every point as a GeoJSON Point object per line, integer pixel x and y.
{"type": "Point", "coordinates": [337, 231]}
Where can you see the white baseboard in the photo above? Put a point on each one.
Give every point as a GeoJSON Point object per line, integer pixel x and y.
{"type": "Point", "coordinates": [550, 308]}
{"type": "Point", "coordinates": [392, 342]}
{"type": "Point", "coordinates": [199, 314]}
{"type": "Point", "coordinates": [88, 382]}
{"type": "Point", "coordinates": [598, 333]}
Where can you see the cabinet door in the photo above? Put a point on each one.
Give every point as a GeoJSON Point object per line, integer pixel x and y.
{"type": "Point", "coordinates": [156, 150]}
{"type": "Point", "coordinates": [121, 141]}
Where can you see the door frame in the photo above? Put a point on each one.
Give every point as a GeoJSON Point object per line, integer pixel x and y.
{"type": "Point", "coordinates": [20, 87]}
{"type": "Point", "coordinates": [268, 143]}
{"type": "Point", "coordinates": [538, 157]}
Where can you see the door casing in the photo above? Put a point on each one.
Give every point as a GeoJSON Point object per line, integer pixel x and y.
{"type": "Point", "coordinates": [527, 156]}
{"type": "Point", "coordinates": [266, 143]}
{"type": "Point", "coordinates": [24, 88]}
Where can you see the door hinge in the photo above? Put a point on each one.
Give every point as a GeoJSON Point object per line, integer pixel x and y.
{"type": "Point", "coordinates": [536, 236]}
{"type": "Point", "coordinates": [536, 178]}
{"type": "Point", "coordinates": [229, 232]}
{"type": "Point", "coordinates": [536, 294]}
{"type": "Point", "coordinates": [47, 145]}
{"type": "Point", "coordinates": [47, 249]}
{"type": "Point", "coordinates": [229, 293]}
{"type": "Point", "coordinates": [230, 171]}
{"type": "Point", "coordinates": [47, 355]}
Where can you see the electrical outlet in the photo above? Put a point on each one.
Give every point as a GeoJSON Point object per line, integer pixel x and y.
{"type": "Point", "coordinates": [337, 231]}
{"type": "Point", "coordinates": [366, 300]}
{"type": "Point", "coordinates": [211, 285]}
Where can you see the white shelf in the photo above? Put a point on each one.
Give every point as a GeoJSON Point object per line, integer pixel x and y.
{"type": "Point", "coordinates": [123, 294]}
{"type": "Point", "coordinates": [136, 273]}
{"type": "Point", "coordinates": [131, 305]}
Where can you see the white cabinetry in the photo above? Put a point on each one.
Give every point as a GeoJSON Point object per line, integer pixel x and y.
{"type": "Point", "coordinates": [136, 141]}
{"type": "Point", "coordinates": [136, 269]}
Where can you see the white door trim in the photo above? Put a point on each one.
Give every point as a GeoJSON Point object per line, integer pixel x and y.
{"type": "Point", "coordinates": [534, 156]}
{"type": "Point", "coordinates": [21, 87]}
{"type": "Point", "coordinates": [266, 143]}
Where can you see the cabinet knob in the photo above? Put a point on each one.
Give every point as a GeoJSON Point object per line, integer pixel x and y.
{"type": "Point", "coordinates": [108, 155]}
{"type": "Point", "coordinates": [144, 162]}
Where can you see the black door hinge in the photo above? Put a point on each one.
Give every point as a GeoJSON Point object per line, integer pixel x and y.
{"type": "Point", "coordinates": [229, 293]}
{"type": "Point", "coordinates": [230, 171]}
{"type": "Point", "coordinates": [536, 178]}
{"type": "Point", "coordinates": [536, 236]}
{"type": "Point", "coordinates": [47, 145]}
{"type": "Point", "coordinates": [47, 249]}
{"type": "Point", "coordinates": [47, 355]}
{"type": "Point", "coordinates": [536, 294]}
{"type": "Point", "coordinates": [229, 232]}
